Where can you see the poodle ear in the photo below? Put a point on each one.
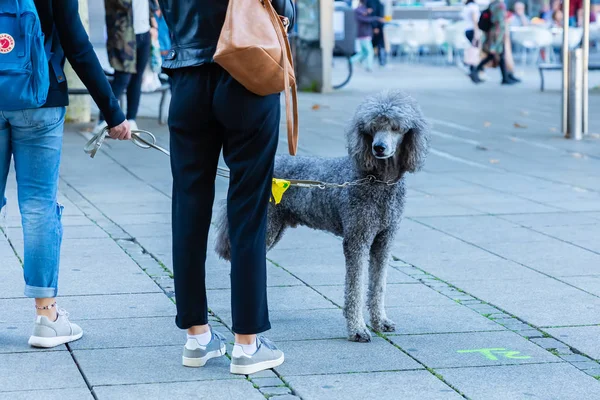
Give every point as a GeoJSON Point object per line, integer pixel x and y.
{"type": "Point", "coordinates": [414, 147]}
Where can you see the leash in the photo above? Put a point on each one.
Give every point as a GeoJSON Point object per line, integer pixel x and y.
{"type": "Point", "coordinates": [146, 140]}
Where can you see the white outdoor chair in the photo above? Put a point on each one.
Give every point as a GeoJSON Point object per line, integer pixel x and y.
{"type": "Point", "coordinates": [456, 40]}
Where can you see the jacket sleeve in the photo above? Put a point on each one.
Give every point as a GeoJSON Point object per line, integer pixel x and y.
{"type": "Point", "coordinates": [80, 53]}
{"type": "Point", "coordinates": [286, 8]}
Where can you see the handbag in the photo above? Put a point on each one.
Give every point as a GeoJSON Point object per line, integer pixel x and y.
{"type": "Point", "coordinates": [253, 48]}
{"type": "Point", "coordinates": [472, 55]}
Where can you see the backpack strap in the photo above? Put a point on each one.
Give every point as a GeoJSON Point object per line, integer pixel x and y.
{"type": "Point", "coordinates": [55, 56]}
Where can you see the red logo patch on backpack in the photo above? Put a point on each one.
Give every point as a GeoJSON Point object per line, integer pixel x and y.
{"type": "Point", "coordinates": [7, 43]}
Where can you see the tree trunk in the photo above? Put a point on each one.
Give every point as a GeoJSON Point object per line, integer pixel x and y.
{"type": "Point", "coordinates": [79, 109]}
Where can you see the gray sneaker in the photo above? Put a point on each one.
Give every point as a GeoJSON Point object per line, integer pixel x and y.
{"type": "Point", "coordinates": [267, 356]}
{"type": "Point", "coordinates": [48, 334]}
{"type": "Point", "coordinates": [195, 355]}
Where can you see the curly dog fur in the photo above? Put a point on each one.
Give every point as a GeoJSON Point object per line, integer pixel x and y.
{"type": "Point", "coordinates": [387, 138]}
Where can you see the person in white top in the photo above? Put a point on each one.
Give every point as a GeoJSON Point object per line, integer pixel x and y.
{"type": "Point", "coordinates": [130, 27]}
{"type": "Point", "coordinates": [470, 15]}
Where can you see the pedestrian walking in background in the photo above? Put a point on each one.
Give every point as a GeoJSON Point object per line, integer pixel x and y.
{"type": "Point", "coordinates": [378, 37]}
{"type": "Point", "coordinates": [364, 36]}
{"type": "Point", "coordinates": [128, 24]}
{"type": "Point", "coordinates": [31, 132]}
{"type": "Point", "coordinates": [211, 111]}
{"type": "Point", "coordinates": [493, 44]}
{"type": "Point", "coordinates": [470, 16]}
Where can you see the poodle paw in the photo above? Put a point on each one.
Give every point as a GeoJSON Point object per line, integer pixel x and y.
{"type": "Point", "coordinates": [385, 325]}
{"type": "Point", "coordinates": [361, 335]}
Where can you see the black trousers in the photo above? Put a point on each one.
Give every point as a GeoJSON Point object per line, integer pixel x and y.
{"type": "Point", "coordinates": [379, 44]}
{"type": "Point", "coordinates": [211, 111]}
{"type": "Point", "coordinates": [133, 82]}
{"type": "Point", "coordinates": [501, 64]}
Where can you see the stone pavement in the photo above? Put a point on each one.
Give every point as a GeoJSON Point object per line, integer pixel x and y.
{"type": "Point", "coordinates": [494, 286]}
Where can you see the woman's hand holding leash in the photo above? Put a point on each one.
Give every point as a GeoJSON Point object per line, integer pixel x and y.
{"type": "Point", "coordinates": [121, 131]}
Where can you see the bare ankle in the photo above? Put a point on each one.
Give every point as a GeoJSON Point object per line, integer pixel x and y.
{"type": "Point", "coordinates": [245, 339]}
{"type": "Point", "coordinates": [46, 307]}
{"type": "Point", "coordinates": [198, 329]}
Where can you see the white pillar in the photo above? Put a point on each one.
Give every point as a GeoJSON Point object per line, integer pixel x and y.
{"type": "Point", "coordinates": [585, 62]}
{"type": "Point", "coordinates": [565, 69]}
{"type": "Point", "coordinates": [327, 43]}
{"type": "Point", "coordinates": [79, 109]}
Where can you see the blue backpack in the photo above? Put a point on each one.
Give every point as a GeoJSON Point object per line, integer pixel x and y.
{"type": "Point", "coordinates": [24, 71]}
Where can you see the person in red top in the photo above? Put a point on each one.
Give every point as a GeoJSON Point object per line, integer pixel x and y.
{"type": "Point", "coordinates": [576, 13]}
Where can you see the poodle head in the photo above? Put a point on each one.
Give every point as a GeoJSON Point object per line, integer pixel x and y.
{"type": "Point", "coordinates": [389, 135]}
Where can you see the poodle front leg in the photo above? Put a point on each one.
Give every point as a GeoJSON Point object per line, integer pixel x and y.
{"type": "Point", "coordinates": [378, 264]}
{"type": "Point", "coordinates": [356, 253]}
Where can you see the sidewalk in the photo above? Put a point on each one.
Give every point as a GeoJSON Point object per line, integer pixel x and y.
{"type": "Point", "coordinates": [494, 288]}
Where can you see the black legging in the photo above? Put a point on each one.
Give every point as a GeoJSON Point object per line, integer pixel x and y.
{"type": "Point", "coordinates": [132, 82]}
{"type": "Point", "coordinates": [489, 58]}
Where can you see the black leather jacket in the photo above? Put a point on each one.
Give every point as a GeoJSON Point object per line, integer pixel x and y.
{"type": "Point", "coordinates": [195, 26]}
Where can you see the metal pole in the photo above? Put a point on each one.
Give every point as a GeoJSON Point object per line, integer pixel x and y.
{"type": "Point", "coordinates": [585, 62]}
{"type": "Point", "coordinates": [575, 95]}
{"type": "Point", "coordinates": [565, 68]}
{"type": "Point", "coordinates": [327, 39]}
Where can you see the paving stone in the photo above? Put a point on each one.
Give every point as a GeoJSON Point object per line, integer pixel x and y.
{"type": "Point", "coordinates": [205, 390]}
{"type": "Point", "coordinates": [465, 349]}
{"type": "Point", "coordinates": [539, 301]}
{"type": "Point", "coordinates": [96, 307]}
{"type": "Point", "coordinates": [309, 238]}
{"type": "Point", "coordinates": [314, 357]}
{"type": "Point", "coordinates": [275, 391]}
{"type": "Point", "coordinates": [49, 394]}
{"type": "Point", "coordinates": [405, 385]}
{"type": "Point", "coordinates": [218, 276]}
{"type": "Point", "coordinates": [307, 324]}
{"type": "Point", "coordinates": [549, 343]}
{"type": "Point", "coordinates": [586, 365]}
{"type": "Point", "coordinates": [115, 278]}
{"type": "Point", "coordinates": [540, 381]}
{"type": "Point", "coordinates": [29, 371]}
{"type": "Point", "coordinates": [130, 332]}
{"type": "Point", "coordinates": [14, 338]}
{"type": "Point", "coordinates": [280, 299]}
{"type": "Point", "coordinates": [265, 374]}
{"type": "Point", "coordinates": [549, 257]}
{"type": "Point", "coordinates": [396, 295]}
{"type": "Point", "coordinates": [12, 283]}
{"type": "Point", "coordinates": [531, 334]}
{"type": "Point", "coordinates": [324, 267]}
{"type": "Point", "coordinates": [267, 382]}
{"type": "Point", "coordinates": [439, 319]}
{"type": "Point", "coordinates": [161, 364]}
{"type": "Point", "coordinates": [574, 358]}
{"type": "Point", "coordinates": [595, 372]}
{"type": "Point", "coordinates": [287, 397]}
{"type": "Point", "coordinates": [589, 283]}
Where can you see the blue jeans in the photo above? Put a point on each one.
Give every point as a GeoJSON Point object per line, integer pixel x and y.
{"type": "Point", "coordinates": [34, 139]}
{"type": "Point", "coordinates": [366, 54]}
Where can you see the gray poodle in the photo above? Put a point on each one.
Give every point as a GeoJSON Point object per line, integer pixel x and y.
{"type": "Point", "coordinates": [388, 137]}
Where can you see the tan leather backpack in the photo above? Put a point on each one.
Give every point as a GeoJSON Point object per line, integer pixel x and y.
{"type": "Point", "coordinates": [253, 48]}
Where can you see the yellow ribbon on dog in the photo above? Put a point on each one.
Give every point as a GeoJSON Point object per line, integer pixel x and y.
{"type": "Point", "coordinates": [278, 188]}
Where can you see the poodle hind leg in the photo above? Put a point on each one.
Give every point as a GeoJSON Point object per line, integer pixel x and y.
{"type": "Point", "coordinates": [356, 253]}
{"type": "Point", "coordinates": [380, 254]}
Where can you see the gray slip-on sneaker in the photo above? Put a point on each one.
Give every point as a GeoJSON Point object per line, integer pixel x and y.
{"type": "Point", "coordinates": [267, 356]}
{"type": "Point", "coordinates": [49, 334]}
{"type": "Point", "coordinates": [196, 355]}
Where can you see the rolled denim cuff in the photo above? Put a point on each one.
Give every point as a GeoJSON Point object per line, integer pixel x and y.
{"type": "Point", "coordinates": [40, 292]}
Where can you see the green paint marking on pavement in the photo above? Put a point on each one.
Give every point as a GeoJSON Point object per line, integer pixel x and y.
{"type": "Point", "coordinates": [495, 352]}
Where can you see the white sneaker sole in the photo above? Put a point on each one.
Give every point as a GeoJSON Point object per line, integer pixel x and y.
{"type": "Point", "coordinates": [49, 342]}
{"type": "Point", "coordinates": [252, 369]}
{"type": "Point", "coordinates": [200, 362]}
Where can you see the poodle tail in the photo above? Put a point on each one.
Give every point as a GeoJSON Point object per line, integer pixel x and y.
{"type": "Point", "coordinates": [223, 244]}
